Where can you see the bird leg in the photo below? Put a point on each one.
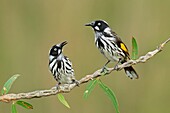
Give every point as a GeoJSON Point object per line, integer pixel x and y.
{"type": "Point", "coordinates": [104, 69]}
{"type": "Point", "coordinates": [57, 85]}
{"type": "Point", "coordinates": [76, 81]}
{"type": "Point", "coordinates": [116, 66]}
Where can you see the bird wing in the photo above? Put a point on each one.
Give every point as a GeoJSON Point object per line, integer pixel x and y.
{"type": "Point", "coordinates": [120, 44]}
{"type": "Point", "coordinates": [118, 41]}
{"type": "Point", "coordinates": [123, 47]}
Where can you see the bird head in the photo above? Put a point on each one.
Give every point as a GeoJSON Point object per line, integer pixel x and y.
{"type": "Point", "coordinates": [56, 50]}
{"type": "Point", "coordinates": [98, 25]}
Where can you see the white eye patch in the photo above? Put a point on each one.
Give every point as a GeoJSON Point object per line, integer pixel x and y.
{"type": "Point", "coordinates": [55, 49]}
{"type": "Point", "coordinates": [99, 24]}
{"type": "Point", "coordinates": [59, 51]}
{"type": "Point", "coordinates": [96, 28]}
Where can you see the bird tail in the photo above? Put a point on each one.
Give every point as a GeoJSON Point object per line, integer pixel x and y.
{"type": "Point", "coordinates": [130, 72]}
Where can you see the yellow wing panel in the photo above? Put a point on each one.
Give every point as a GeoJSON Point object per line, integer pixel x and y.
{"type": "Point", "coordinates": [123, 47]}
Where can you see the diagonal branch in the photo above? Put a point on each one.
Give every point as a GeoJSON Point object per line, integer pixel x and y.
{"type": "Point", "coordinates": [66, 88]}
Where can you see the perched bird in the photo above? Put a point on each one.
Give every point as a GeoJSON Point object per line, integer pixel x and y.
{"type": "Point", "coordinates": [111, 46]}
{"type": "Point", "coordinates": [60, 65]}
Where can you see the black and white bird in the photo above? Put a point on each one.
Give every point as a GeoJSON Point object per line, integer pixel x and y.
{"type": "Point", "coordinates": [60, 65]}
{"type": "Point", "coordinates": [111, 46]}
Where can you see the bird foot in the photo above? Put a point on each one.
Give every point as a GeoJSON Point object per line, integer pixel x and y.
{"type": "Point", "coordinates": [77, 82]}
{"type": "Point", "coordinates": [104, 70]}
{"type": "Point", "coordinates": [116, 68]}
{"type": "Point", "coordinates": [57, 86]}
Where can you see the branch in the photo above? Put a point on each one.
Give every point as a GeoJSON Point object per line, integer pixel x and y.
{"type": "Point", "coordinates": [66, 88]}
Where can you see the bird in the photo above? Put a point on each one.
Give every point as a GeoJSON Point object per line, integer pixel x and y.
{"type": "Point", "coordinates": [60, 65]}
{"type": "Point", "coordinates": [111, 46]}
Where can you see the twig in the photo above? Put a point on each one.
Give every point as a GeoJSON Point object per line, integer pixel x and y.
{"type": "Point", "coordinates": [66, 88]}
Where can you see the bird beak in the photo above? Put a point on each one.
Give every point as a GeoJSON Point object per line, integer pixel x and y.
{"type": "Point", "coordinates": [63, 43]}
{"type": "Point", "coordinates": [89, 24]}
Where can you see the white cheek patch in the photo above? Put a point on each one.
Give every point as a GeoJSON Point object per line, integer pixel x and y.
{"type": "Point", "coordinates": [59, 51]}
{"type": "Point", "coordinates": [96, 28]}
{"type": "Point", "coordinates": [108, 31]}
{"type": "Point", "coordinates": [51, 57]}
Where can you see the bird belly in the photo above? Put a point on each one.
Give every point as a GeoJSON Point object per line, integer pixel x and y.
{"type": "Point", "coordinates": [112, 56]}
{"type": "Point", "coordinates": [62, 71]}
{"type": "Point", "coordinates": [107, 47]}
{"type": "Point", "coordinates": [65, 79]}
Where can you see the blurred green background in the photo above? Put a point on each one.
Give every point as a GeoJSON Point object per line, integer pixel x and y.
{"type": "Point", "coordinates": [28, 29]}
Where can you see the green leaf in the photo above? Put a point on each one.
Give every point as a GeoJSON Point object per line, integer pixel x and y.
{"type": "Point", "coordinates": [8, 84]}
{"type": "Point", "coordinates": [89, 88]}
{"type": "Point", "coordinates": [134, 49]}
{"type": "Point", "coordinates": [24, 104]}
{"type": "Point", "coordinates": [14, 110]}
{"type": "Point", "coordinates": [110, 94]}
{"type": "Point", "coordinates": [62, 100]}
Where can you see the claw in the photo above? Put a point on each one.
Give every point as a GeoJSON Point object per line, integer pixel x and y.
{"type": "Point", "coordinates": [104, 70]}
{"type": "Point", "coordinates": [57, 86]}
{"type": "Point", "coordinates": [116, 67]}
{"type": "Point", "coordinates": [77, 82]}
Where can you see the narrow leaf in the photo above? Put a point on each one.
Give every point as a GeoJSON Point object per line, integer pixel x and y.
{"type": "Point", "coordinates": [24, 104]}
{"type": "Point", "coordinates": [89, 88]}
{"type": "Point", "coordinates": [14, 110]}
{"type": "Point", "coordinates": [8, 84]}
{"type": "Point", "coordinates": [110, 94]}
{"type": "Point", "coordinates": [134, 49]}
{"type": "Point", "coordinates": [62, 100]}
